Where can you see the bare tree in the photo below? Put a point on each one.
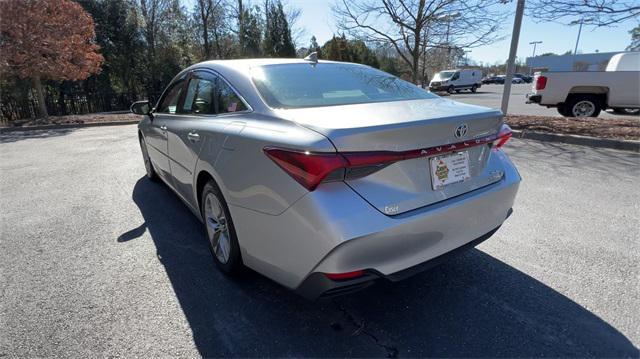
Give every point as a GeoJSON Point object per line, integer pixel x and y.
{"type": "Point", "coordinates": [213, 25]}
{"type": "Point", "coordinates": [153, 13]}
{"type": "Point", "coordinates": [298, 34]}
{"type": "Point", "coordinates": [592, 12]}
{"type": "Point", "coordinates": [411, 26]}
{"type": "Point", "coordinates": [203, 13]}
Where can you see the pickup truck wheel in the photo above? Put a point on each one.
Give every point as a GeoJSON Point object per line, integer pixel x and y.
{"type": "Point", "coordinates": [584, 106]}
{"type": "Point", "coordinates": [562, 109]}
{"type": "Point", "coordinates": [474, 88]}
{"type": "Point", "coordinates": [450, 89]}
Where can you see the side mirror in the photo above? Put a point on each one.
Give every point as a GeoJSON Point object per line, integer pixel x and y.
{"type": "Point", "coordinates": [141, 108]}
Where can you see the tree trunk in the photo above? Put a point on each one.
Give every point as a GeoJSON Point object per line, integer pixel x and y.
{"type": "Point", "coordinates": [241, 28]}
{"type": "Point", "coordinates": [205, 35]}
{"type": "Point", "coordinates": [37, 84]}
{"type": "Point", "coordinates": [415, 55]}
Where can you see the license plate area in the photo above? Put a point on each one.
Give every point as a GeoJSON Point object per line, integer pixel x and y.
{"type": "Point", "coordinates": [449, 169]}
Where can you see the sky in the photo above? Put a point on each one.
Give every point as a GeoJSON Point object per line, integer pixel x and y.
{"type": "Point", "coordinates": [317, 19]}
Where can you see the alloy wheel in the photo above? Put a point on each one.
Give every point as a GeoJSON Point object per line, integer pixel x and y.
{"type": "Point", "coordinates": [217, 229]}
{"type": "Point", "coordinates": [583, 108]}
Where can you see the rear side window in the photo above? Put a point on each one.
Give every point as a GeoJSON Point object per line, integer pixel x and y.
{"type": "Point", "coordinates": [328, 84]}
{"type": "Point", "coordinates": [169, 103]}
{"type": "Point", "coordinates": [227, 99]}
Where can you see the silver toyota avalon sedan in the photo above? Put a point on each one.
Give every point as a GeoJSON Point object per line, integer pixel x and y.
{"type": "Point", "coordinates": [326, 176]}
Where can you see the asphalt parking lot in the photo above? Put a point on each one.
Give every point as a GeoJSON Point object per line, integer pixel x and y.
{"type": "Point", "coordinates": [95, 260]}
{"type": "Point", "coordinates": [491, 96]}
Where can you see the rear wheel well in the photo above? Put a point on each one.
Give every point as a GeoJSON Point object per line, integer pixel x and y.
{"type": "Point", "coordinates": [203, 178]}
{"type": "Point", "coordinates": [596, 92]}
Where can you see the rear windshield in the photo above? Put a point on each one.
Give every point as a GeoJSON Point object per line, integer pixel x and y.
{"type": "Point", "coordinates": [305, 85]}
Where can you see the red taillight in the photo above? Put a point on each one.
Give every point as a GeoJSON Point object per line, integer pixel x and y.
{"type": "Point", "coordinates": [312, 168]}
{"type": "Point", "coordinates": [345, 276]}
{"type": "Point", "coordinates": [308, 168]}
{"type": "Point", "coordinates": [503, 136]}
{"type": "Point", "coordinates": [541, 82]}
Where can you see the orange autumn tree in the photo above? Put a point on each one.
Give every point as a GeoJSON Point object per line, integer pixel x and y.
{"type": "Point", "coordinates": [47, 40]}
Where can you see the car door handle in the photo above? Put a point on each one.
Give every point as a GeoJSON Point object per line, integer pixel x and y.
{"type": "Point", "coordinates": [193, 136]}
{"type": "Point", "coordinates": [163, 128]}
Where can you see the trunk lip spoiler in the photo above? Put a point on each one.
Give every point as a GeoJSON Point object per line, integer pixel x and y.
{"type": "Point", "coordinates": [354, 158]}
{"type": "Point", "coordinates": [320, 164]}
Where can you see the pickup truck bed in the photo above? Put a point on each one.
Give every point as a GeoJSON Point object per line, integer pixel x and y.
{"type": "Point", "coordinates": [587, 93]}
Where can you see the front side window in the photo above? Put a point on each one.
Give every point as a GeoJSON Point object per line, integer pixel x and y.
{"type": "Point", "coordinates": [169, 103]}
{"type": "Point", "coordinates": [328, 84]}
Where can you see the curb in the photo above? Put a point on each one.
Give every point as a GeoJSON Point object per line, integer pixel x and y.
{"type": "Point", "coordinates": [67, 125]}
{"type": "Point", "coordinates": [626, 145]}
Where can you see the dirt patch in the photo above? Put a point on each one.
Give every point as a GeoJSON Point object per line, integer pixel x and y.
{"type": "Point", "coordinates": [74, 119]}
{"type": "Point", "coordinates": [618, 128]}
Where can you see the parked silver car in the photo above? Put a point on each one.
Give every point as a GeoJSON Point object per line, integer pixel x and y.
{"type": "Point", "coordinates": [325, 176]}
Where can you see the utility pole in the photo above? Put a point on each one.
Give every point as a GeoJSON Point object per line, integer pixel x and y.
{"type": "Point", "coordinates": [575, 51]}
{"type": "Point", "coordinates": [466, 57]}
{"type": "Point", "coordinates": [534, 43]}
{"type": "Point", "coordinates": [448, 19]}
{"type": "Point", "coordinates": [515, 36]}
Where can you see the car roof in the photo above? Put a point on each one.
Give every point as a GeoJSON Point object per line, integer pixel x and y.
{"type": "Point", "coordinates": [245, 64]}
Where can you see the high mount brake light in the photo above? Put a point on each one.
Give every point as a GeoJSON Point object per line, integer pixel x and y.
{"type": "Point", "coordinates": [312, 168]}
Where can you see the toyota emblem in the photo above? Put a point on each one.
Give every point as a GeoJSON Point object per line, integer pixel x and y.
{"type": "Point", "coordinates": [461, 130]}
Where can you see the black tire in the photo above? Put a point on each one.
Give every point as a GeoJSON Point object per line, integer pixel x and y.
{"type": "Point", "coordinates": [562, 109]}
{"type": "Point", "coordinates": [450, 89]}
{"type": "Point", "coordinates": [474, 88]}
{"type": "Point", "coordinates": [577, 102]}
{"type": "Point", "coordinates": [233, 265]}
{"type": "Point", "coordinates": [151, 172]}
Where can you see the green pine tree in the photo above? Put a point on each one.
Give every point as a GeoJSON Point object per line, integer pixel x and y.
{"type": "Point", "coordinates": [277, 37]}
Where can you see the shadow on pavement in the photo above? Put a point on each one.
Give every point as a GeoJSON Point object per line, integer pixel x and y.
{"type": "Point", "coordinates": [14, 136]}
{"type": "Point", "coordinates": [635, 114]}
{"type": "Point", "coordinates": [474, 305]}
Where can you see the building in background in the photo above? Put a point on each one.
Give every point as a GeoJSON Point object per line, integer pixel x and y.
{"type": "Point", "coordinates": [581, 62]}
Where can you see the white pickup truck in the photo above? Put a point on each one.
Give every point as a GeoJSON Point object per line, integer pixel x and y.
{"type": "Point", "coordinates": [585, 94]}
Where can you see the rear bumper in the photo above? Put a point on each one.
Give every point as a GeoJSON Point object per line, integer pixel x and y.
{"type": "Point", "coordinates": [445, 88]}
{"type": "Point", "coordinates": [534, 98]}
{"type": "Point", "coordinates": [438, 88]}
{"type": "Point", "coordinates": [333, 230]}
{"type": "Point", "coordinates": [317, 285]}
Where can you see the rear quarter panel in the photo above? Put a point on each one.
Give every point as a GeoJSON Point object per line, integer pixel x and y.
{"type": "Point", "coordinates": [248, 177]}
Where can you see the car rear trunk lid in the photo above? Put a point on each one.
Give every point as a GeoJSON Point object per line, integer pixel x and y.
{"type": "Point", "coordinates": [404, 126]}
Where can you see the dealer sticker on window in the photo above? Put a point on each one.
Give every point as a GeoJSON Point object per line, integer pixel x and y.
{"type": "Point", "coordinates": [448, 169]}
